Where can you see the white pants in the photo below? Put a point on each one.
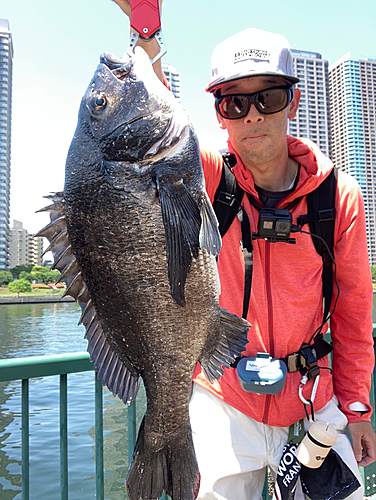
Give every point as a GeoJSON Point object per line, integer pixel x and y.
{"type": "Point", "coordinates": [233, 450]}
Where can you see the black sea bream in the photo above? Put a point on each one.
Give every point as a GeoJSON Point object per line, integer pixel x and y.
{"type": "Point", "coordinates": [135, 238]}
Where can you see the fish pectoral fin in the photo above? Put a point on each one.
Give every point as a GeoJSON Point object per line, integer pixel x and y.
{"type": "Point", "coordinates": [210, 237]}
{"type": "Point", "coordinates": [182, 222]}
{"type": "Point", "coordinates": [232, 341]}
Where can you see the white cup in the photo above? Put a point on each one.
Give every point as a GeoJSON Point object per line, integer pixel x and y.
{"type": "Point", "coordinates": [316, 444]}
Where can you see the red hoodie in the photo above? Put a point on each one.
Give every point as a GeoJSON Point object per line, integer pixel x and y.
{"type": "Point", "coordinates": [286, 300]}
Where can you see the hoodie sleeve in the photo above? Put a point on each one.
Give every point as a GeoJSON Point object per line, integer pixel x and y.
{"type": "Point", "coordinates": [351, 324]}
{"type": "Point", "coordinates": [212, 164]}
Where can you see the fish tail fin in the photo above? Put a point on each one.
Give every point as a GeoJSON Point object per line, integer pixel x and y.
{"type": "Point", "coordinates": [173, 470]}
{"type": "Point", "coordinates": [184, 472]}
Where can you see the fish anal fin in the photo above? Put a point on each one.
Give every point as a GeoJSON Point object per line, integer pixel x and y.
{"type": "Point", "coordinates": [231, 342]}
{"type": "Point", "coordinates": [111, 370]}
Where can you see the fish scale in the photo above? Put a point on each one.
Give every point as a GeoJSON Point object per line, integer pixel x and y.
{"type": "Point", "coordinates": [135, 238]}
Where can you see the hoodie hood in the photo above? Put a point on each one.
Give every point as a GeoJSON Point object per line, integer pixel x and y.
{"type": "Point", "coordinates": [315, 167]}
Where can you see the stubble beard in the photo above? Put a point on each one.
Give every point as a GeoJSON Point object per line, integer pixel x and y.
{"type": "Point", "coordinates": [258, 157]}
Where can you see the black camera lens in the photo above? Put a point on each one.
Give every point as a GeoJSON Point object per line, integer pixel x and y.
{"type": "Point", "coordinates": [282, 226]}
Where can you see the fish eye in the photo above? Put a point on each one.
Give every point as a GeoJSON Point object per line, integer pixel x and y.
{"type": "Point", "coordinates": [100, 103]}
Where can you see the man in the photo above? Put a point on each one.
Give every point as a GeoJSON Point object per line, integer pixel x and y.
{"type": "Point", "coordinates": [236, 433]}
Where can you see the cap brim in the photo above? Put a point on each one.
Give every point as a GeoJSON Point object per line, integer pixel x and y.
{"type": "Point", "coordinates": [217, 83]}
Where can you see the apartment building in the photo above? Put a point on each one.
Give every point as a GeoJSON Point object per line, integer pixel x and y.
{"type": "Point", "coordinates": [352, 87]}
{"type": "Point", "coordinates": [24, 249]}
{"type": "Point", "coordinates": [173, 79]}
{"type": "Point", "coordinates": [312, 119]}
{"type": "Point", "coordinates": [6, 60]}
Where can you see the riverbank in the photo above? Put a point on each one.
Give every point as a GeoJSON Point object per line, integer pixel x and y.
{"type": "Point", "coordinates": [29, 299]}
{"type": "Point", "coordinates": [41, 297]}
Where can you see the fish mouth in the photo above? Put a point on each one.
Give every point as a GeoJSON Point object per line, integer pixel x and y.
{"type": "Point", "coordinates": [119, 67]}
{"type": "Point", "coordinates": [129, 122]}
{"type": "Point", "coordinates": [136, 119]}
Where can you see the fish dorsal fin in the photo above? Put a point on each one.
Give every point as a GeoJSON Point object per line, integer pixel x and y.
{"type": "Point", "coordinates": [111, 371]}
{"type": "Point", "coordinates": [232, 341]}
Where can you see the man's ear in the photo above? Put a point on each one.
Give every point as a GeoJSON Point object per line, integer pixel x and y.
{"type": "Point", "coordinates": [221, 121]}
{"type": "Point", "coordinates": [293, 106]}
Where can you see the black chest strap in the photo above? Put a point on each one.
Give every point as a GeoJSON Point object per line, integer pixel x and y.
{"type": "Point", "coordinates": [320, 217]}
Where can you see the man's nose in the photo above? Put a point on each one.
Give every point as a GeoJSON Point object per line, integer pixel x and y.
{"type": "Point", "coordinates": [253, 115]}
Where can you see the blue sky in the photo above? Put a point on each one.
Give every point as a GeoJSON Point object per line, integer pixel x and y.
{"type": "Point", "coordinates": [57, 46]}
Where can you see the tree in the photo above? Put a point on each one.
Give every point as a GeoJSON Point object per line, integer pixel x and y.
{"type": "Point", "coordinates": [24, 275]}
{"type": "Point", "coordinates": [42, 274]}
{"type": "Point", "coordinates": [53, 276]}
{"type": "Point", "coordinates": [18, 269]}
{"type": "Point", "coordinates": [5, 277]}
{"type": "Point", "coordinates": [20, 286]}
{"type": "Point", "coordinates": [373, 272]}
{"type": "Point", "coordinates": [38, 273]}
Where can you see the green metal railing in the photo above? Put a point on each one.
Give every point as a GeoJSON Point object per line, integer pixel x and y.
{"type": "Point", "coordinates": [43, 366]}
{"type": "Point", "coordinates": [368, 473]}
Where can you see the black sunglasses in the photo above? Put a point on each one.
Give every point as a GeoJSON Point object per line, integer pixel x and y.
{"type": "Point", "coordinates": [267, 102]}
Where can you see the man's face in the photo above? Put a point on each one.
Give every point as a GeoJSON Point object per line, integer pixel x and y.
{"type": "Point", "coordinates": [258, 138]}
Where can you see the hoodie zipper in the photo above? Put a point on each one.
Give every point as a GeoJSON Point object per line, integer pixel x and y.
{"type": "Point", "coordinates": [265, 418]}
{"type": "Point", "coordinates": [268, 397]}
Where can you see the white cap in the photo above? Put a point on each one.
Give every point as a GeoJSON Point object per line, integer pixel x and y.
{"type": "Point", "coordinates": [251, 52]}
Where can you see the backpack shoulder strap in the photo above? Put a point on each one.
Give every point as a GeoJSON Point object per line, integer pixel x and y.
{"type": "Point", "coordinates": [227, 205]}
{"type": "Point", "coordinates": [228, 196]}
{"type": "Point", "coordinates": [321, 218]}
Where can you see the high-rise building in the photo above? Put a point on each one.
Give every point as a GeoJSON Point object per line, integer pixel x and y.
{"type": "Point", "coordinates": [312, 119]}
{"type": "Point", "coordinates": [352, 85]}
{"type": "Point", "coordinates": [173, 79]}
{"type": "Point", "coordinates": [6, 57]}
{"type": "Point", "coordinates": [24, 249]}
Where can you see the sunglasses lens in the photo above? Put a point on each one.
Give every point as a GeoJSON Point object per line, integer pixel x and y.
{"type": "Point", "coordinates": [233, 107]}
{"type": "Point", "coordinates": [267, 102]}
{"type": "Point", "coordinates": [272, 101]}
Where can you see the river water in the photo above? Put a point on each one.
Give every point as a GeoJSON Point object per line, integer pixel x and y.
{"type": "Point", "coordinates": [38, 329]}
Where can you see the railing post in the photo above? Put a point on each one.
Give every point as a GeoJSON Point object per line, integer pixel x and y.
{"type": "Point", "coordinates": [265, 491]}
{"type": "Point", "coordinates": [25, 439]}
{"type": "Point", "coordinates": [63, 438]}
{"type": "Point", "coordinates": [131, 430]}
{"type": "Point", "coordinates": [99, 439]}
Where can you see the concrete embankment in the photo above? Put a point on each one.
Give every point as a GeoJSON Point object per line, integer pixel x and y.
{"type": "Point", "coordinates": [34, 300]}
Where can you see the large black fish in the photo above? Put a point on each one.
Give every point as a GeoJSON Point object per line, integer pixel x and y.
{"type": "Point", "coordinates": [135, 238]}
